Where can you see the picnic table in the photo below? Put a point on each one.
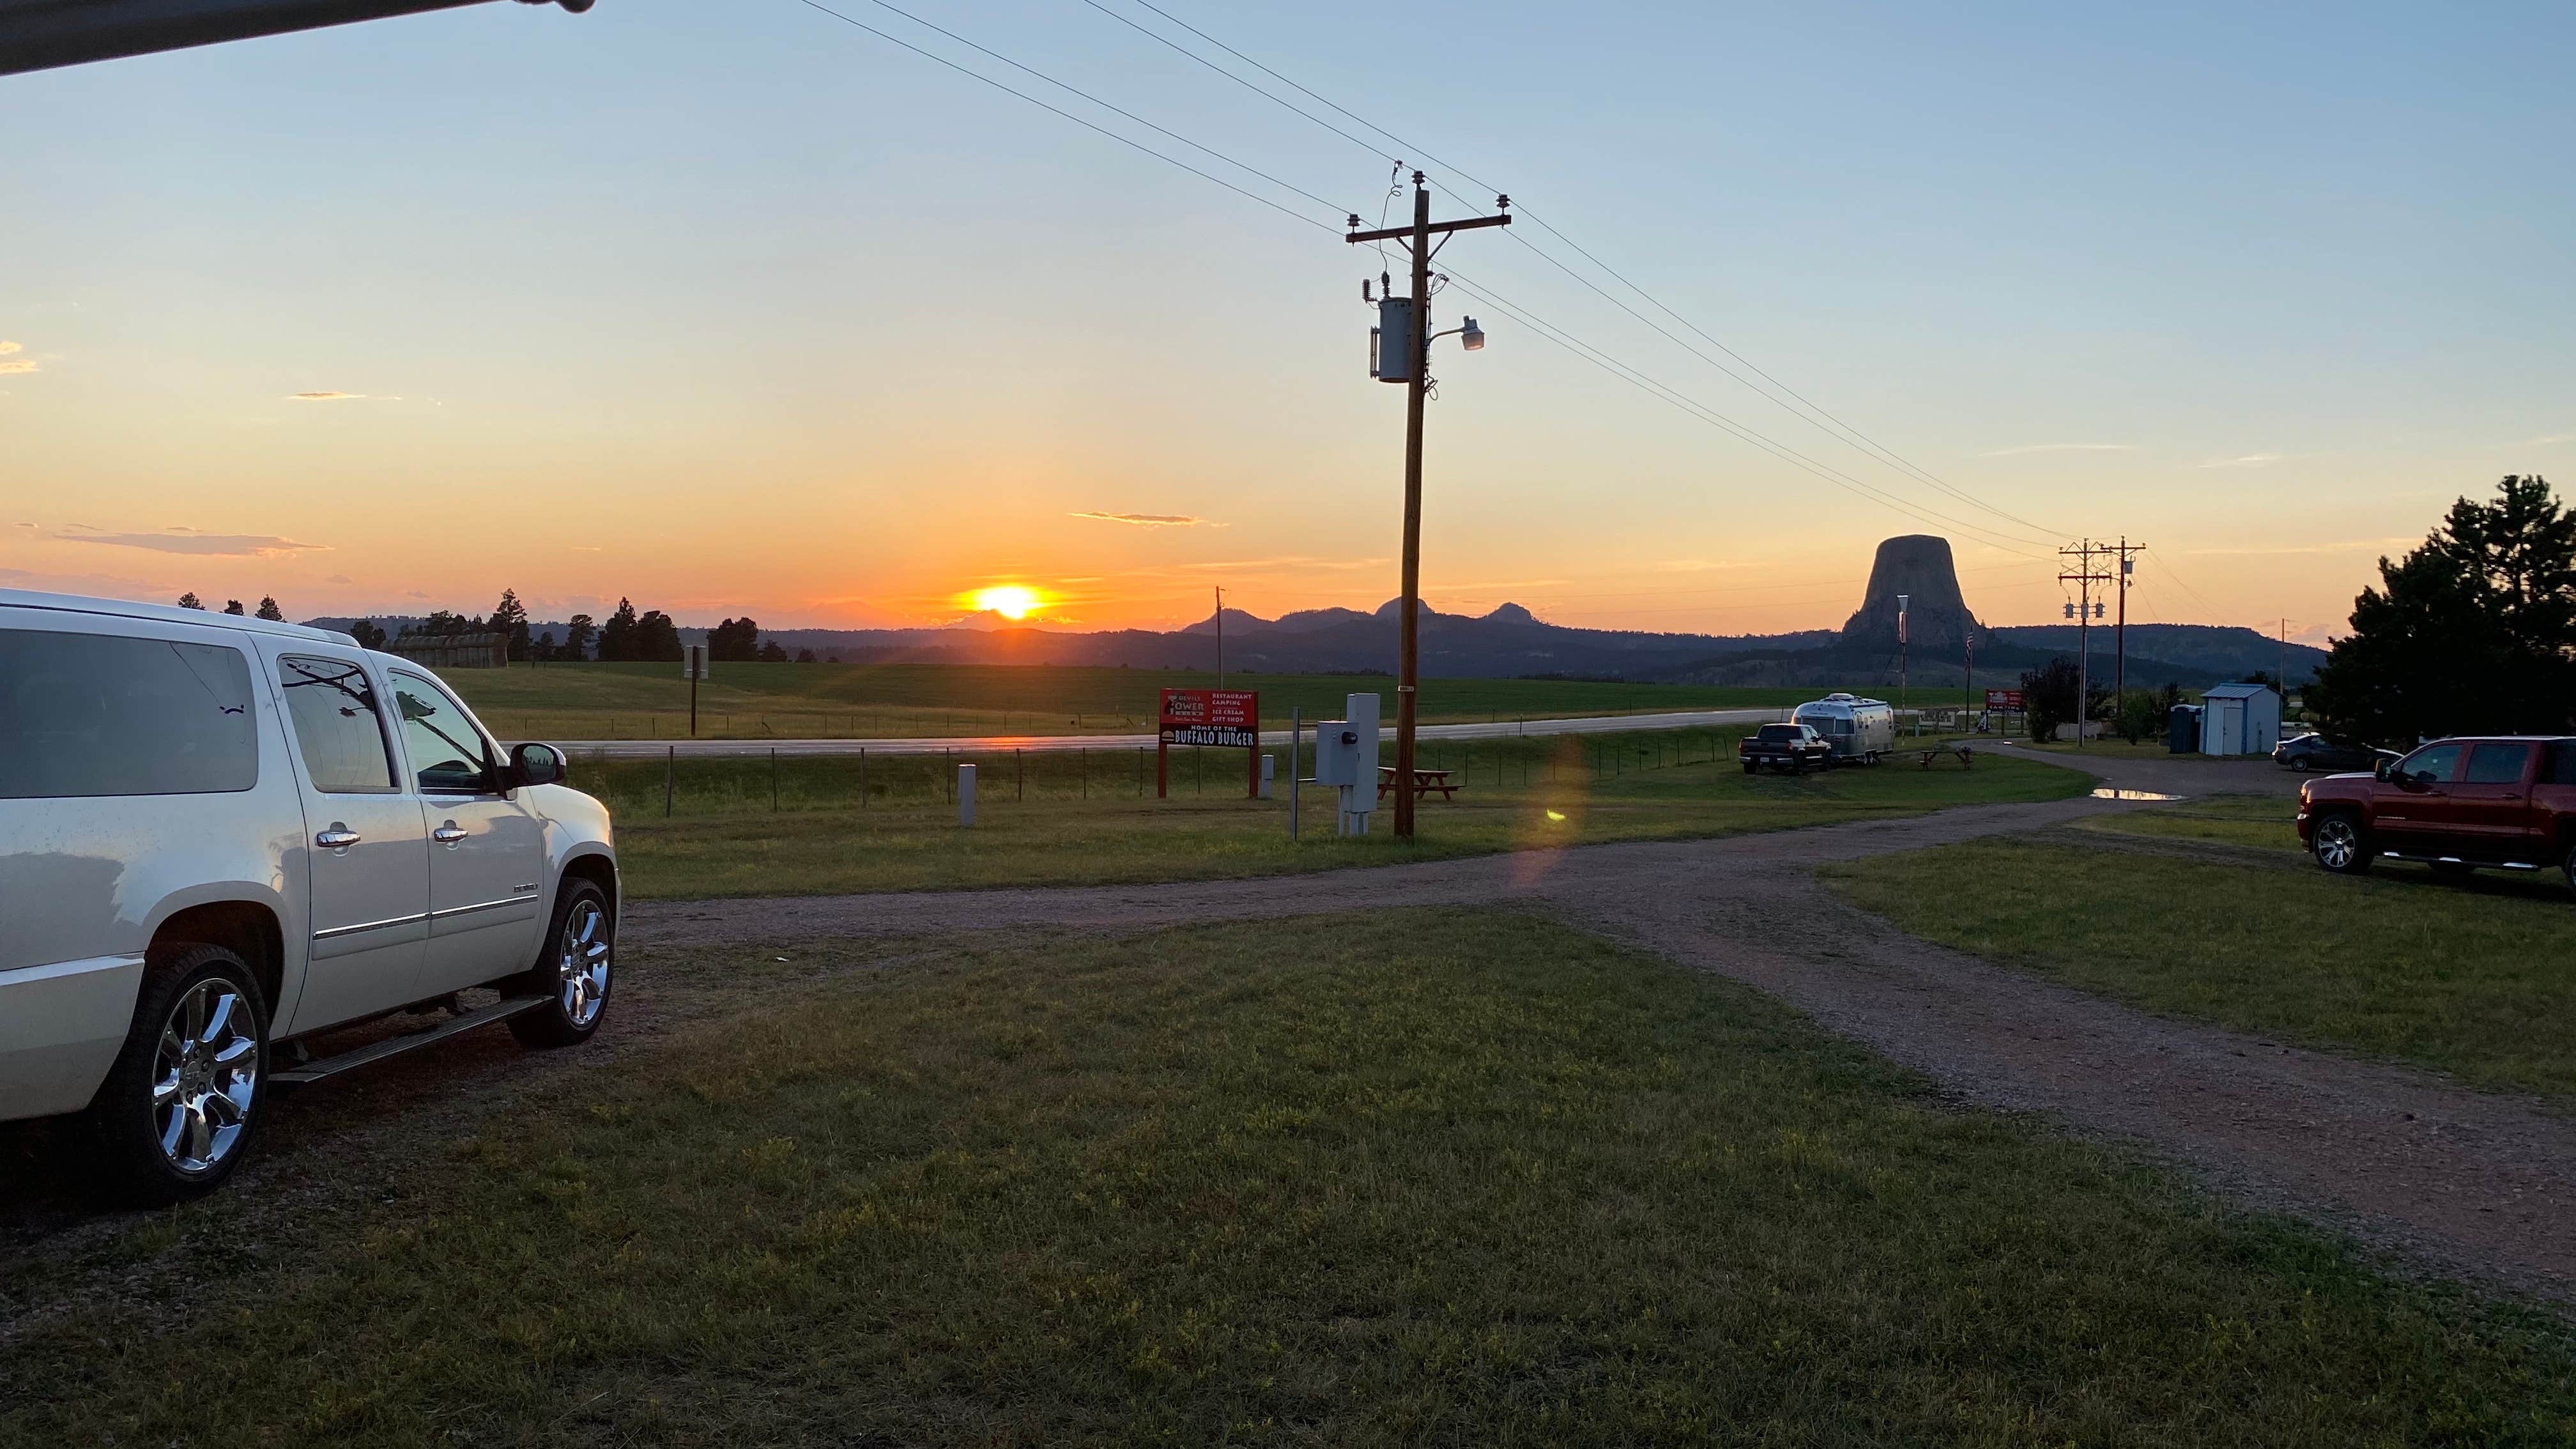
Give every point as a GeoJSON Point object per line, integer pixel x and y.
{"type": "Point", "coordinates": [1965, 753]}
{"type": "Point", "coordinates": [1424, 782]}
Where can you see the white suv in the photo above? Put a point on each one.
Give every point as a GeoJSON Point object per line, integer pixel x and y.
{"type": "Point", "coordinates": [220, 835]}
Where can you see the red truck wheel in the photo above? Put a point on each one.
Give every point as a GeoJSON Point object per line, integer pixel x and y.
{"type": "Point", "coordinates": [2339, 844]}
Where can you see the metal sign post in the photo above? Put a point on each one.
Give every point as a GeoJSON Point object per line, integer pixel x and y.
{"type": "Point", "coordinates": [693, 663]}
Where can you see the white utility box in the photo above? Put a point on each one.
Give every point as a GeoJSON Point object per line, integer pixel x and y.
{"type": "Point", "coordinates": [1346, 756]}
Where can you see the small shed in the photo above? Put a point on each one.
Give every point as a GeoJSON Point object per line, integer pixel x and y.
{"type": "Point", "coordinates": [2240, 719]}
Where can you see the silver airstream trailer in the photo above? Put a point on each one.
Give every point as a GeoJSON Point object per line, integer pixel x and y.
{"type": "Point", "coordinates": [1860, 730]}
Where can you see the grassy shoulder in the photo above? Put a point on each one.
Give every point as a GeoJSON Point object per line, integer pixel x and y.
{"type": "Point", "coordinates": [2112, 748]}
{"type": "Point", "coordinates": [2472, 981]}
{"type": "Point", "coordinates": [1452, 1177]}
{"type": "Point", "coordinates": [2268, 822]}
{"type": "Point", "coordinates": [861, 701]}
{"type": "Point", "coordinates": [1037, 824]}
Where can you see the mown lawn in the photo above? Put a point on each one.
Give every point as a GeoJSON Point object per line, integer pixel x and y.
{"type": "Point", "coordinates": [847, 701]}
{"type": "Point", "coordinates": [1454, 1178]}
{"type": "Point", "coordinates": [724, 839]}
{"type": "Point", "coordinates": [2472, 980]}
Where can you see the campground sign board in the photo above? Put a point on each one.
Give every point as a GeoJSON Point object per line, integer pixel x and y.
{"type": "Point", "coordinates": [1222, 718]}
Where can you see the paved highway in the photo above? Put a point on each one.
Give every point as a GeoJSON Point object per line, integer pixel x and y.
{"type": "Point", "coordinates": [933, 744]}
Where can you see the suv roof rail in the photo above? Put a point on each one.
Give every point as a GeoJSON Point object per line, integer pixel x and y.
{"type": "Point", "coordinates": [128, 609]}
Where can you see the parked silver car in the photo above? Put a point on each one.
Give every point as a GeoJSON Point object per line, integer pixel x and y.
{"type": "Point", "coordinates": [219, 836]}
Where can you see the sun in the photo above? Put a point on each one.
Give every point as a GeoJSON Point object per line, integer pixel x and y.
{"type": "Point", "coordinates": [1011, 601]}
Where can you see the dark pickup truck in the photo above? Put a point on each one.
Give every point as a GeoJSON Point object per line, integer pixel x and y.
{"type": "Point", "coordinates": [1790, 747]}
{"type": "Point", "coordinates": [2506, 801]}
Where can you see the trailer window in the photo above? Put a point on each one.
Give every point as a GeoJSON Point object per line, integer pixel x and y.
{"type": "Point", "coordinates": [99, 714]}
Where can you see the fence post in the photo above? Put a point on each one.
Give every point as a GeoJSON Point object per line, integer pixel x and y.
{"type": "Point", "coordinates": [965, 778]}
{"type": "Point", "coordinates": [670, 762]}
{"type": "Point", "coordinates": [1085, 753]}
{"type": "Point", "coordinates": [1019, 771]}
{"type": "Point", "coordinates": [773, 778]}
{"type": "Point", "coordinates": [863, 777]}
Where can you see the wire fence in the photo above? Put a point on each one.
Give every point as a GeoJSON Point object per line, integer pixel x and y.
{"type": "Point", "coordinates": [677, 786]}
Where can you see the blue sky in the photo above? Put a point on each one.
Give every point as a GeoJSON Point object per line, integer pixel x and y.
{"type": "Point", "coordinates": [734, 307]}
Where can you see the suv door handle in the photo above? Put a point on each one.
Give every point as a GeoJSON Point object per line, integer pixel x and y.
{"type": "Point", "coordinates": [338, 837]}
{"type": "Point", "coordinates": [447, 834]}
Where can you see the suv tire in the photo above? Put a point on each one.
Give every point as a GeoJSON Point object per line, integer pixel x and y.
{"type": "Point", "coordinates": [572, 972]}
{"type": "Point", "coordinates": [2340, 844]}
{"type": "Point", "coordinates": [180, 1108]}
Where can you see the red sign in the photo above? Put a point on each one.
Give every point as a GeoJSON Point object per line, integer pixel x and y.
{"type": "Point", "coordinates": [2003, 699]}
{"type": "Point", "coordinates": [1225, 717]}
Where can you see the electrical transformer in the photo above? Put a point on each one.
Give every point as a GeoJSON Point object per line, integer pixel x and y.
{"type": "Point", "coordinates": [1392, 343]}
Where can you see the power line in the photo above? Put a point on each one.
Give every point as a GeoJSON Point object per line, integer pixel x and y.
{"type": "Point", "coordinates": [1127, 141]}
{"type": "Point", "coordinates": [1505, 308]}
{"type": "Point", "coordinates": [1552, 333]}
{"type": "Point", "coordinates": [1805, 409]}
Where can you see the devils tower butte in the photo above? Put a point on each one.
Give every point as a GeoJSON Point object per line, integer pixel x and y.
{"type": "Point", "coordinates": [1917, 565]}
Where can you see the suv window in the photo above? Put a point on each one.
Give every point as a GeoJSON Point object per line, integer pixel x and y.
{"type": "Point", "coordinates": [101, 714]}
{"type": "Point", "coordinates": [2497, 764]}
{"type": "Point", "coordinates": [1777, 732]}
{"type": "Point", "coordinates": [338, 727]}
{"type": "Point", "coordinates": [2560, 767]}
{"type": "Point", "coordinates": [447, 752]}
{"type": "Point", "coordinates": [2431, 765]}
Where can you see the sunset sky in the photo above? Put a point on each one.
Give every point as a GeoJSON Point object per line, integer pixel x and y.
{"type": "Point", "coordinates": [734, 308]}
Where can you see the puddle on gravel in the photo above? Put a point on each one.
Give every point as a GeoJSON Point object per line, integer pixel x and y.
{"type": "Point", "coordinates": [2106, 793]}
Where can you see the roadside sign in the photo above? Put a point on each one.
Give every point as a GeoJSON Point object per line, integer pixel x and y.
{"type": "Point", "coordinates": [2003, 699]}
{"type": "Point", "coordinates": [693, 661]}
{"type": "Point", "coordinates": [1222, 718]}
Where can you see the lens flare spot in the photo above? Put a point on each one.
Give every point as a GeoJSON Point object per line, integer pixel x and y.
{"type": "Point", "coordinates": [1556, 815]}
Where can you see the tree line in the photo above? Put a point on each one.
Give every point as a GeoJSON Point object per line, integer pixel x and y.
{"type": "Point", "coordinates": [629, 635]}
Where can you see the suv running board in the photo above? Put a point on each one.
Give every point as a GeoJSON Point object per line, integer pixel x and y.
{"type": "Point", "coordinates": [394, 1046]}
{"type": "Point", "coordinates": [2420, 857]}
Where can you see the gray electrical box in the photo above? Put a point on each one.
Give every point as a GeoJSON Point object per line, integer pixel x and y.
{"type": "Point", "coordinates": [1392, 343]}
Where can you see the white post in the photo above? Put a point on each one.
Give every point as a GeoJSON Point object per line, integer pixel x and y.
{"type": "Point", "coordinates": [1269, 766]}
{"type": "Point", "coordinates": [1296, 738]}
{"type": "Point", "coordinates": [965, 795]}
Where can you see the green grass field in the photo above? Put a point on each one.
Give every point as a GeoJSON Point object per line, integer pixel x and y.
{"type": "Point", "coordinates": [1066, 819]}
{"type": "Point", "coordinates": [853, 701]}
{"type": "Point", "coordinates": [2470, 980]}
{"type": "Point", "coordinates": [1453, 1178]}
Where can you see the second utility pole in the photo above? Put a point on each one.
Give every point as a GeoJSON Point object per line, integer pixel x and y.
{"type": "Point", "coordinates": [1418, 343]}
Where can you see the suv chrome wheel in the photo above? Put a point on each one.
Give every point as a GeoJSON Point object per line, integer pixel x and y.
{"type": "Point", "coordinates": [582, 961]}
{"type": "Point", "coordinates": [205, 1077]}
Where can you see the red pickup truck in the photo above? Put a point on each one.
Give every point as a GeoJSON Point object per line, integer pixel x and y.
{"type": "Point", "coordinates": [2456, 804]}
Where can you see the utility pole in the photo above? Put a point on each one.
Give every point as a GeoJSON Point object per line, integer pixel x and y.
{"type": "Point", "coordinates": [2120, 634]}
{"type": "Point", "coordinates": [1902, 601]}
{"type": "Point", "coordinates": [2086, 611]}
{"type": "Point", "coordinates": [1220, 636]}
{"type": "Point", "coordinates": [1417, 343]}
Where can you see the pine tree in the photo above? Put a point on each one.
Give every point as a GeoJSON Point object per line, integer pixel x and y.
{"type": "Point", "coordinates": [268, 608]}
{"type": "Point", "coordinates": [233, 607]}
{"type": "Point", "coordinates": [617, 636]}
{"type": "Point", "coordinates": [2472, 633]}
{"type": "Point", "coordinates": [577, 637]}
{"type": "Point", "coordinates": [511, 617]}
{"type": "Point", "coordinates": [190, 600]}
{"type": "Point", "coordinates": [367, 634]}
{"type": "Point", "coordinates": [657, 638]}
{"type": "Point", "coordinates": [733, 641]}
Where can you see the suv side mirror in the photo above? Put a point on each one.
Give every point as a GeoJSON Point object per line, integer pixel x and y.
{"type": "Point", "coordinates": [533, 764]}
{"type": "Point", "coordinates": [2379, 768]}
